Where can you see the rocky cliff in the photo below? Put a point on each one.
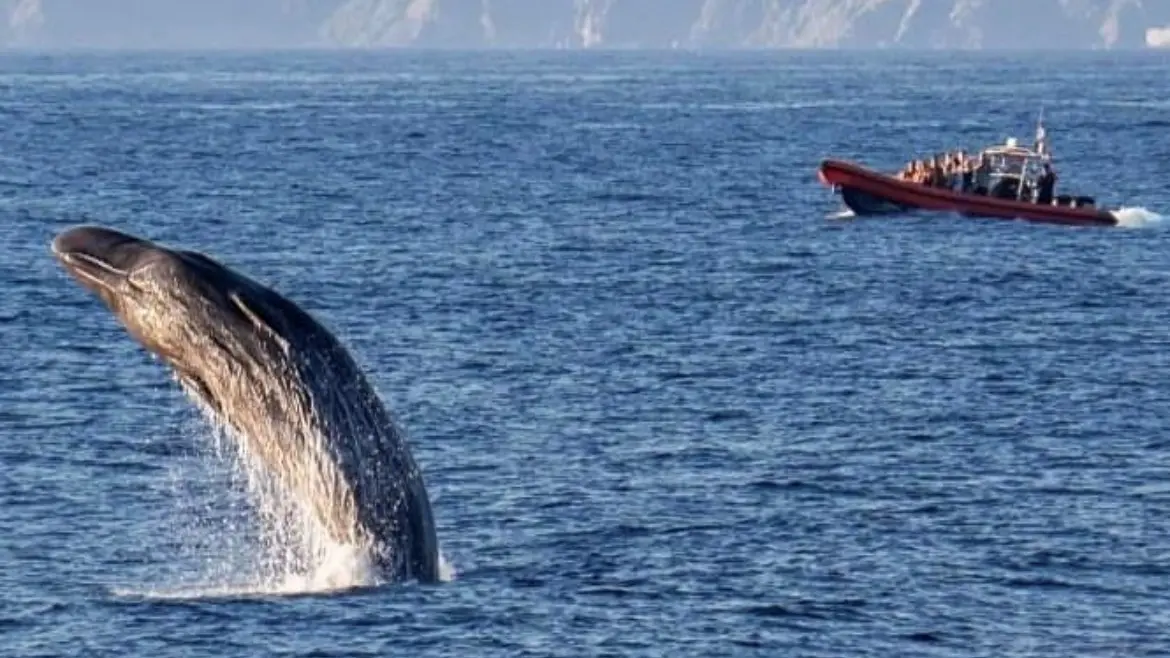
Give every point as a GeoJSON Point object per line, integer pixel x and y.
{"type": "Point", "coordinates": [1016, 24]}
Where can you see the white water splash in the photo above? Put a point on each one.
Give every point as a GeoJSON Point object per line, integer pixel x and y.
{"type": "Point", "coordinates": [447, 570]}
{"type": "Point", "coordinates": [344, 570]}
{"type": "Point", "coordinates": [341, 570]}
{"type": "Point", "coordinates": [238, 536]}
{"type": "Point", "coordinates": [842, 214]}
{"type": "Point", "coordinates": [248, 537]}
{"type": "Point", "coordinates": [1136, 217]}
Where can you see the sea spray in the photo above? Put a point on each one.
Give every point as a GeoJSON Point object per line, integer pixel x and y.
{"type": "Point", "coordinates": [295, 553]}
{"type": "Point", "coordinates": [246, 533]}
{"type": "Point", "coordinates": [1136, 217]}
{"type": "Point", "coordinates": [238, 533]}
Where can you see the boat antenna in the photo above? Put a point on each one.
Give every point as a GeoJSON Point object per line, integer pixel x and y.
{"type": "Point", "coordinates": [1041, 134]}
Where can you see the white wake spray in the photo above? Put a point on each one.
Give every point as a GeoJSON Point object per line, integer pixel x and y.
{"type": "Point", "coordinates": [1136, 217]}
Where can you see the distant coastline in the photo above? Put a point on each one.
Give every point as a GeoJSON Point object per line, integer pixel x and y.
{"type": "Point", "coordinates": [583, 25]}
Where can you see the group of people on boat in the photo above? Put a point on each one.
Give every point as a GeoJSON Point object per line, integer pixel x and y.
{"type": "Point", "coordinates": [971, 174]}
{"type": "Point", "coordinates": [953, 171]}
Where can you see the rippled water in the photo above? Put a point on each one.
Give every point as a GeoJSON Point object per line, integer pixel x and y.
{"type": "Point", "coordinates": [664, 402]}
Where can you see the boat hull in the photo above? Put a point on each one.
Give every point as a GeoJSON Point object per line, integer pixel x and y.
{"type": "Point", "coordinates": [863, 203]}
{"type": "Point", "coordinates": [867, 192]}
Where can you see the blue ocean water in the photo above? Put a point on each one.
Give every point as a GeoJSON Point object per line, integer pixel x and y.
{"type": "Point", "coordinates": [667, 402]}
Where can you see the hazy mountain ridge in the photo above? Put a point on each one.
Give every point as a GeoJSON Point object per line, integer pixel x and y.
{"type": "Point", "coordinates": [585, 23]}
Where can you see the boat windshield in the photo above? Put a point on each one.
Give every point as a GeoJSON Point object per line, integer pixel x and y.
{"type": "Point", "coordinates": [1015, 170]}
{"type": "Point", "coordinates": [1016, 165]}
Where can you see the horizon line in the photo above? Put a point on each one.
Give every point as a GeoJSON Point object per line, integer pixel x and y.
{"type": "Point", "coordinates": [684, 50]}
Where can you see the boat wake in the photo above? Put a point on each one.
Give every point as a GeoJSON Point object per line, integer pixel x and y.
{"type": "Point", "coordinates": [1136, 217]}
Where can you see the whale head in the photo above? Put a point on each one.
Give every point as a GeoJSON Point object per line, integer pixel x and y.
{"type": "Point", "coordinates": [186, 308]}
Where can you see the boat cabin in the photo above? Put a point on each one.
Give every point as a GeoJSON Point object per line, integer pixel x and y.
{"type": "Point", "coordinates": [1014, 170]}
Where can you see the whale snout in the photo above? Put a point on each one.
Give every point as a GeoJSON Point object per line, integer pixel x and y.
{"type": "Point", "coordinates": [96, 241]}
{"type": "Point", "coordinates": [97, 255]}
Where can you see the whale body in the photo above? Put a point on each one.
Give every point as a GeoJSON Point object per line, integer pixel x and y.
{"type": "Point", "coordinates": [279, 381]}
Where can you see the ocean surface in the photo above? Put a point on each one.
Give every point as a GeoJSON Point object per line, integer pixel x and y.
{"type": "Point", "coordinates": [668, 400]}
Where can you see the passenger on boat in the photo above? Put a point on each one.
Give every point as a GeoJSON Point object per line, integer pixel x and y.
{"type": "Point", "coordinates": [938, 177]}
{"type": "Point", "coordinates": [944, 164]}
{"type": "Point", "coordinates": [982, 175]}
{"type": "Point", "coordinates": [926, 172]}
{"type": "Point", "coordinates": [966, 174]}
{"type": "Point", "coordinates": [910, 171]}
{"type": "Point", "coordinates": [1045, 186]}
{"type": "Point", "coordinates": [957, 160]}
{"type": "Point", "coordinates": [921, 172]}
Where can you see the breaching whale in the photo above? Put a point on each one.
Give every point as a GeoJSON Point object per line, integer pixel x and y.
{"type": "Point", "coordinates": [279, 381]}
